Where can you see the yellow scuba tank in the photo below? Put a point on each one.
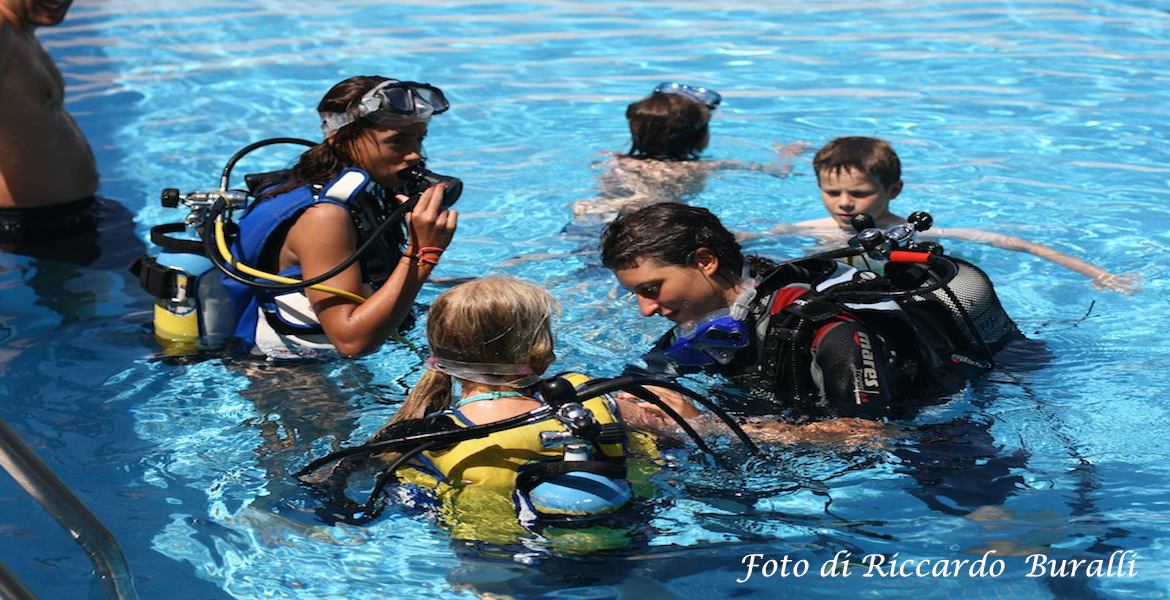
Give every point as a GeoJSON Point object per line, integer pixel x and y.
{"type": "Point", "coordinates": [182, 279]}
{"type": "Point", "coordinates": [176, 324]}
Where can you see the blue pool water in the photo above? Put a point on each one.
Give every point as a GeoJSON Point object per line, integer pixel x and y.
{"type": "Point", "coordinates": [1045, 120]}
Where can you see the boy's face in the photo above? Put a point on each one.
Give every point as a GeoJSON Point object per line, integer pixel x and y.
{"type": "Point", "coordinates": [849, 192]}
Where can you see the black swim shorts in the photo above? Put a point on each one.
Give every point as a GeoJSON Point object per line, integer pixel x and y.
{"type": "Point", "coordinates": [93, 231]}
{"type": "Point", "coordinates": [40, 222]}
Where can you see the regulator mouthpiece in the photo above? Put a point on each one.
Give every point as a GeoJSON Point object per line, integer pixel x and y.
{"type": "Point", "coordinates": [418, 178]}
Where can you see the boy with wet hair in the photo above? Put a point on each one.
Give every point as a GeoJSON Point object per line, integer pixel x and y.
{"type": "Point", "coordinates": [669, 130]}
{"type": "Point", "coordinates": [863, 174]}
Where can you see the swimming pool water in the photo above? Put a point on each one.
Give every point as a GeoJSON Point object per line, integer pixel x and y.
{"type": "Point", "coordinates": [1045, 120]}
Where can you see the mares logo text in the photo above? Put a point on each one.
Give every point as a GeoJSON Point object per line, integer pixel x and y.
{"type": "Point", "coordinates": [869, 374]}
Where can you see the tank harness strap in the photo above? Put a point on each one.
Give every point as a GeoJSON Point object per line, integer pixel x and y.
{"type": "Point", "coordinates": [162, 282]}
{"type": "Point", "coordinates": [534, 474]}
{"type": "Point", "coordinates": [348, 189]}
{"type": "Point", "coordinates": [278, 321]}
{"type": "Point", "coordinates": [159, 281]}
{"type": "Point", "coordinates": [283, 327]}
{"type": "Point", "coordinates": [159, 235]}
{"type": "Point", "coordinates": [797, 314]}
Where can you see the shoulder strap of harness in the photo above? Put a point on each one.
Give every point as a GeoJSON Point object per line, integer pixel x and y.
{"type": "Point", "coordinates": [346, 187]}
{"type": "Point", "coordinates": [795, 312]}
{"type": "Point", "coordinates": [344, 190]}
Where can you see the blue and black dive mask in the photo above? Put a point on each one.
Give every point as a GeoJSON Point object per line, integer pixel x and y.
{"type": "Point", "coordinates": [701, 95]}
{"type": "Point", "coordinates": [717, 335]}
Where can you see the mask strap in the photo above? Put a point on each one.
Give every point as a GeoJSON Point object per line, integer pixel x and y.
{"type": "Point", "coordinates": [514, 376]}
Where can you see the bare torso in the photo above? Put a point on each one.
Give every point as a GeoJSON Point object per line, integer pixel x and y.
{"type": "Point", "coordinates": [44, 157]}
{"type": "Point", "coordinates": [631, 183]}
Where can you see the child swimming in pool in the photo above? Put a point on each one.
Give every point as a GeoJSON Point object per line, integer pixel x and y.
{"type": "Point", "coordinates": [863, 174]}
{"type": "Point", "coordinates": [670, 128]}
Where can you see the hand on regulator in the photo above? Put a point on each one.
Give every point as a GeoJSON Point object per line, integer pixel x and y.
{"type": "Point", "coordinates": [429, 224]}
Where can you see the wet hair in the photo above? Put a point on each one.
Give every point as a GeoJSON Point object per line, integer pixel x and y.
{"type": "Point", "coordinates": [667, 127]}
{"type": "Point", "coordinates": [870, 156]}
{"type": "Point", "coordinates": [489, 320]}
{"type": "Point", "coordinates": [670, 233]}
{"type": "Point", "coordinates": [323, 162]}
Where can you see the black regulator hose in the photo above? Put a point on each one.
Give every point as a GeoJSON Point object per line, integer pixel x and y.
{"type": "Point", "coordinates": [590, 389]}
{"type": "Point", "coordinates": [598, 387]}
{"type": "Point", "coordinates": [388, 474]}
{"type": "Point", "coordinates": [448, 436]}
{"type": "Point", "coordinates": [231, 163]}
{"type": "Point", "coordinates": [969, 322]}
{"type": "Point", "coordinates": [652, 398]}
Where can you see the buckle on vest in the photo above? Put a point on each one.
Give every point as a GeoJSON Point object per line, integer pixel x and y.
{"type": "Point", "coordinates": [786, 334]}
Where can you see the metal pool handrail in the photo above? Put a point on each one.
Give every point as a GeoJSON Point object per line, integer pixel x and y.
{"type": "Point", "coordinates": [60, 502]}
{"type": "Point", "coordinates": [11, 587]}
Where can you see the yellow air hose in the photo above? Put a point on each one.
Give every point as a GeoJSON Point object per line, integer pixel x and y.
{"type": "Point", "coordinates": [223, 251]}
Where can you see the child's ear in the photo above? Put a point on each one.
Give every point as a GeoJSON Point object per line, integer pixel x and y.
{"type": "Point", "coordinates": [895, 189]}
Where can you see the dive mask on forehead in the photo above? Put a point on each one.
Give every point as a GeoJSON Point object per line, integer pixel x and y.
{"type": "Point", "coordinates": [391, 103]}
{"type": "Point", "coordinates": [701, 95]}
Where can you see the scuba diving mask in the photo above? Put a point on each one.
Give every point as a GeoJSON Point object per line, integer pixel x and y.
{"type": "Point", "coordinates": [701, 95]}
{"type": "Point", "coordinates": [391, 103]}
{"type": "Point", "coordinates": [714, 337]}
{"type": "Point", "coordinates": [717, 335]}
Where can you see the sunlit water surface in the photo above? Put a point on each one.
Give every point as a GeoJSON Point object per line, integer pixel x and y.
{"type": "Point", "coordinates": [1040, 119]}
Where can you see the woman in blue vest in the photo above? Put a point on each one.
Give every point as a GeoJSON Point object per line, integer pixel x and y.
{"type": "Point", "coordinates": [339, 191]}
